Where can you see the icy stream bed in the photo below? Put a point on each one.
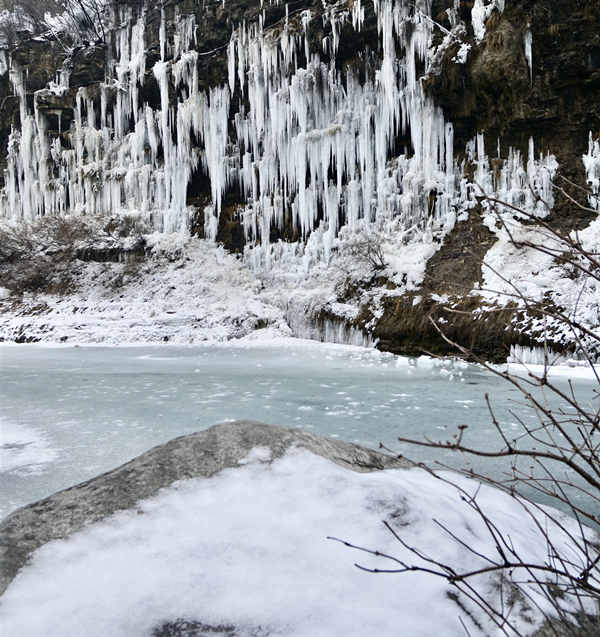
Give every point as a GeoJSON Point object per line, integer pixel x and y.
{"type": "Point", "coordinates": [70, 413]}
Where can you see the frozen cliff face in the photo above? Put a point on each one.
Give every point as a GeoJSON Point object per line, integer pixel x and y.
{"type": "Point", "coordinates": [308, 146]}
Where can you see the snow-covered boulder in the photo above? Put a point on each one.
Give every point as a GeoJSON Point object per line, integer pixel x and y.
{"type": "Point", "coordinates": [229, 532]}
{"type": "Point", "coordinates": [202, 454]}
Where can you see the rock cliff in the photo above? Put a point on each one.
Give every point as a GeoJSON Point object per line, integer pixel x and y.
{"type": "Point", "coordinates": [302, 135]}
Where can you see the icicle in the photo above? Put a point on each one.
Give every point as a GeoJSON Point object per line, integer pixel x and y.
{"type": "Point", "coordinates": [527, 42]}
{"type": "Point", "coordinates": [306, 18]}
{"type": "Point", "coordinates": [527, 188]}
{"type": "Point", "coordinates": [231, 62]}
{"type": "Point", "coordinates": [162, 34]}
{"type": "Point", "coordinates": [306, 146]}
{"type": "Point", "coordinates": [358, 15]}
{"type": "Point", "coordinates": [591, 162]}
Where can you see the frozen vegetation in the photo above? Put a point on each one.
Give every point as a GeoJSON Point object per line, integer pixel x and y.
{"type": "Point", "coordinates": [189, 290]}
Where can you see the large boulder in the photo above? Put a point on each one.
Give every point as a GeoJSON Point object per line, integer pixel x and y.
{"type": "Point", "coordinates": [201, 454]}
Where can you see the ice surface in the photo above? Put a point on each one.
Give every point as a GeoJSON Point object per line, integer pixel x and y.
{"type": "Point", "coordinates": [25, 453]}
{"type": "Point", "coordinates": [23, 450]}
{"type": "Point", "coordinates": [97, 407]}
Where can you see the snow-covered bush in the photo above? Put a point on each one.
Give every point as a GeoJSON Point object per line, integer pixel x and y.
{"type": "Point", "coordinates": [39, 256]}
{"type": "Point", "coordinates": [20, 19]}
{"type": "Point", "coordinates": [367, 248]}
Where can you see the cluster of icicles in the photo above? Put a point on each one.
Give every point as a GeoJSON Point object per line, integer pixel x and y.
{"type": "Point", "coordinates": [304, 144]}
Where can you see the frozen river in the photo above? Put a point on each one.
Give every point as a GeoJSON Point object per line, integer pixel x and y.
{"type": "Point", "coordinates": [69, 413]}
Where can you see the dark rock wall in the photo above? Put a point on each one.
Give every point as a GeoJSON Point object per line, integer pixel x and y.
{"type": "Point", "coordinates": [493, 91]}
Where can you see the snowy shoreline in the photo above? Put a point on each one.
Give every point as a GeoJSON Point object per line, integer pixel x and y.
{"type": "Point", "coordinates": [267, 339]}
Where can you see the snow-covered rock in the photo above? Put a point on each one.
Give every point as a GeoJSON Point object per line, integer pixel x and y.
{"type": "Point", "coordinates": [203, 454]}
{"type": "Point", "coordinates": [226, 532]}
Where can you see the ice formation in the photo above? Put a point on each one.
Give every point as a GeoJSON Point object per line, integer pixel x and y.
{"type": "Point", "coordinates": [327, 330]}
{"type": "Point", "coordinates": [526, 187]}
{"type": "Point", "coordinates": [480, 12]}
{"type": "Point", "coordinates": [309, 143]}
{"type": "Point", "coordinates": [308, 146]}
{"type": "Point", "coordinates": [527, 43]}
{"type": "Point", "coordinates": [462, 53]}
{"type": "Point", "coordinates": [317, 144]}
{"type": "Point", "coordinates": [591, 161]}
{"type": "Point", "coordinates": [524, 355]}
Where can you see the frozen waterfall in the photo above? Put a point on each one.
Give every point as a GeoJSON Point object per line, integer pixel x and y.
{"type": "Point", "coordinates": [308, 146]}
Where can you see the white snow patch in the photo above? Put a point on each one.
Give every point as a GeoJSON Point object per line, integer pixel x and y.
{"type": "Point", "coordinates": [512, 271]}
{"type": "Point", "coordinates": [258, 454]}
{"type": "Point", "coordinates": [407, 263]}
{"type": "Point", "coordinates": [480, 12]}
{"type": "Point", "coordinates": [509, 267]}
{"type": "Point", "coordinates": [22, 449]}
{"type": "Point", "coordinates": [462, 54]}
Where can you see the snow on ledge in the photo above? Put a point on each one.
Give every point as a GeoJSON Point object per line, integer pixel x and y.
{"type": "Point", "coordinates": [480, 12]}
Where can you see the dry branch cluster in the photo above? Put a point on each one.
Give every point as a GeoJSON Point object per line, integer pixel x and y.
{"type": "Point", "coordinates": [68, 21]}
{"type": "Point", "coordinates": [367, 248]}
{"type": "Point", "coordinates": [555, 459]}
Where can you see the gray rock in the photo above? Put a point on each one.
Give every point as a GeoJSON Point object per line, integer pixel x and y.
{"type": "Point", "coordinates": [201, 454]}
{"type": "Point", "coordinates": [193, 628]}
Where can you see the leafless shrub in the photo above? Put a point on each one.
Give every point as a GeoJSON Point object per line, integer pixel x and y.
{"type": "Point", "coordinates": [41, 255]}
{"type": "Point", "coordinates": [561, 452]}
{"type": "Point", "coordinates": [127, 225]}
{"type": "Point", "coordinates": [35, 256]}
{"type": "Point", "coordinates": [367, 248]}
{"type": "Point", "coordinates": [68, 21]}
{"type": "Point", "coordinates": [86, 18]}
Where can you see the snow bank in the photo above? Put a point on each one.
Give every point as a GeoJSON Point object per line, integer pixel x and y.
{"type": "Point", "coordinates": [188, 291]}
{"type": "Point", "coordinates": [515, 269]}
